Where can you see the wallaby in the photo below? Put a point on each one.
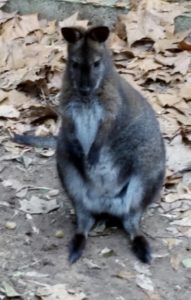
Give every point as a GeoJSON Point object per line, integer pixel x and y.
{"type": "Point", "coordinates": [110, 153]}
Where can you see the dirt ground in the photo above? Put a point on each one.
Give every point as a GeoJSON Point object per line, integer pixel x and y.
{"type": "Point", "coordinates": [34, 242]}
{"type": "Point", "coordinates": [31, 256]}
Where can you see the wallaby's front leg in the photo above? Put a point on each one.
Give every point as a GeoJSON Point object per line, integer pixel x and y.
{"type": "Point", "coordinates": [85, 222]}
{"type": "Point", "coordinates": [93, 154]}
{"type": "Point", "coordinates": [110, 108]}
{"type": "Point", "coordinates": [102, 134]}
{"type": "Point", "coordinates": [72, 146]}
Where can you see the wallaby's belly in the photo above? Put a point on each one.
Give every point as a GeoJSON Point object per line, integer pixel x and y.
{"type": "Point", "coordinates": [104, 176]}
{"type": "Point", "coordinates": [103, 188]}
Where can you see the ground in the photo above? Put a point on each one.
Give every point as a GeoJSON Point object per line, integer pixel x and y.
{"type": "Point", "coordinates": [30, 258]}
{"type": "Point", "coordinates": [36, 218]}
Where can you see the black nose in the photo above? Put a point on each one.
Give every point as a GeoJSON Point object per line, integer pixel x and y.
{"type": "Point", "coordinates": [84, 91]}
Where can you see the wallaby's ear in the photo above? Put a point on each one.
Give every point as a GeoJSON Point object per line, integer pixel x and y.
{"type": "Point", "coordinates": [99, 34]}
{"type": "Point", "coordinates": [71, 34]}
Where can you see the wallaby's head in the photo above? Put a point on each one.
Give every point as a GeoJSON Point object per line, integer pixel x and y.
{"type": "Point", "coordinates": [88, 59]}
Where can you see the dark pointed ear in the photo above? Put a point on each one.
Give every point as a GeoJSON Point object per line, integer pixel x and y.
{"type": "Point", "coordinates": [71, 34]}
{"type": "Point", "coordinates": [99, 34]}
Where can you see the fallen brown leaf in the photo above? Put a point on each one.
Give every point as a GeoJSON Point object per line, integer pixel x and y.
{"type": "Point", "coordinates": [175, 262]}
{"type": "Point", "coordinates": [58, 292]}
{"type": "Point", "coordinates": [73, 21]}
{"type": "Point", "coordinates": [19, 26]}
{"type": "Point", "coordinates": [8, 111]}
{"type": "Point", "coordinates": [185, 91]}
{"type": "Point", "coordinates": [125, 275]}
{"type": "Point", "coordinates": [185, 44]}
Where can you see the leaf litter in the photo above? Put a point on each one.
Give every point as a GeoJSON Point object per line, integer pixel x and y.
{"type": "Point", "coordinates": [150, 55]}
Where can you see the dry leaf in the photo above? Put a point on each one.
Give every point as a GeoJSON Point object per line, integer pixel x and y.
{"type": "Point", "coordinates": [91, 264]}
{"type": "Point", "coordinates": [178, 154]}
{"type": "Point", "coordinates": [53, 193]}
{"type": "Point", "coordinates": [50, 27]}
{"type": "Point", "coordinates": [167, 99]}
{"type": "Point", "coordinates": [121, 3]}
{"type": "Point", "coordinates": [115, 43]}
{"type": "Point", "coordinates": [19, 26]}
{"type": "Point", "coordinates": [153, 296]}
{"type": "Point", "coordinates": [186, 221]}
{"type": "Point", "coordinates": [169, 126]}
{"type": "Point", "coordinates": [9, 290]}
{"type": "Point", "coordinates": [142, 268]}
{"type": "Point", "coordinates": [148, 64]}
{"type": "Point", "coordinates": [46, 152]}
{"type": "Point", "coordinates": [186, 135]}
{"type": "Point", "coordinates": [22, 193]}
{"type": "Point", "coordinates": [175, 262]}
{"type": "Point", "coordinates": [5, 16]}
{"type": "Point", "coordinates": [125, 275]}
{"type": "Point", "coordinates": [3, 95]}
{"type": "Point", "coordinates": [185, 91]}
{"type": "Point", "coordinates": [2, 2]}
{"type": "Point", "coordinates": [8, 111]}
{"type": "Point", "coordinates": [172, 197]}
{"type": "Point", "coordinates": [58, 292]}
{"type": "Point", "coordinates": [106, 252]}
{"type": "Point", "coordinates": [172, 242]}
{"type": "Point", "coordinates": [187, 263]}
{"type": "Point", "coordinates": [144, 282]}
{"type": "Point", "coordinates": [37, 205]}
{"type": "Point", "coordinates": [13, 183]}
{"type": "Point", "coordinates": [73, 21]}
{"type": "Point", "coordinates": [182, 63]}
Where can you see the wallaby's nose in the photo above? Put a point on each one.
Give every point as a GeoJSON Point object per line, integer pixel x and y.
{"type": "Point", "coordinates": [84, 91]}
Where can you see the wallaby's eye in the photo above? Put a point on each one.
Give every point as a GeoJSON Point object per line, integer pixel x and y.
{"type": "Point", "coordinates": [75, 65]}
{"type": "Point", "coordinates": [96, 63]}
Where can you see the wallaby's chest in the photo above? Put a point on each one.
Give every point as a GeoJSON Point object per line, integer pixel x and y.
{"type": "Point", "coordinates": [86, 118]}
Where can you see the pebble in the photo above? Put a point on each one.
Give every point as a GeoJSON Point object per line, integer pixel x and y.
{"type": "Point", "coordinates": [59, 234]}
{"type": "Point", "coordinates": [10, 225]}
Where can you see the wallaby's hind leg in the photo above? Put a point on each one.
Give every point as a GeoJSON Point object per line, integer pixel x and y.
{"type": "Point", "coordinates": [140, 194]}
{"type": "Point", "coordinates": [140, 245]}
{"type": "Point", "coordinates": [85, 222]}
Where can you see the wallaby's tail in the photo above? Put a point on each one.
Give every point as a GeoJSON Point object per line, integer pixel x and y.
{"type": "Point", "coordinates": [35, 141]}
{"type": "Point", "coordinates": [141, 248]}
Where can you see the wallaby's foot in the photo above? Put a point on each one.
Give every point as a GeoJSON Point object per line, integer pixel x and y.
{"type": "Point", "coordinates": [76, 248]}
{"type": "Point", "coordinates": [141, 248]}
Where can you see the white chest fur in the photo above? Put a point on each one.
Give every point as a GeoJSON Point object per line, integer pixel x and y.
{"type": "Point", "coordinates": [86, 118]}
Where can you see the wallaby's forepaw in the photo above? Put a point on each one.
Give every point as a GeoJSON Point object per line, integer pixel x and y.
{"type": "Point", "coordinates": [93, 155]}
{"type": "Point", "coordinates": [141, 248]}
{"type": "Point", "coordinates": [76, 248]}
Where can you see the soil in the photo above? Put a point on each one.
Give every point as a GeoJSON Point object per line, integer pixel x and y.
{"type": "Point", "coordinates": [32, 258]}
